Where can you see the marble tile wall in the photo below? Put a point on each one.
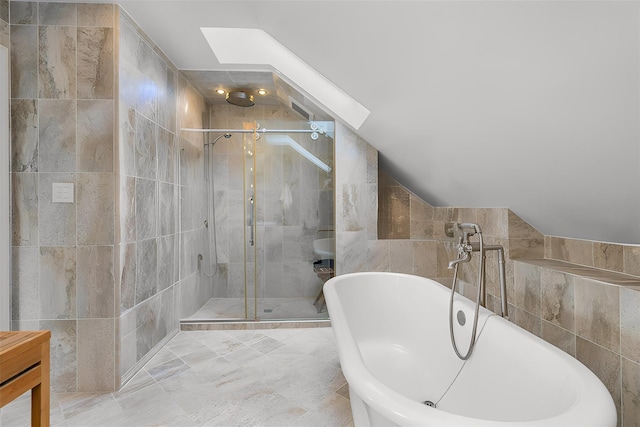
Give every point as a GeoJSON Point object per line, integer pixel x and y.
{"type": "Point", "coordinates": [4, 24]}
{"type": "Point", "coordinates": [406, 221]}
{"type": "Point", "coordinates": [294, 200]}
{"type": "Point", "coordinates": [194, 288]}
{"type": "Point", "coordinates": [356, 202]}
{"type": "Point", "coordinates": [161, 193]}
{"type": "Point", "coordinates": [120, 274]}
{"type": "Point", "coordinates": [62, 117]}
{"type": "Point", "coordinates": [595, 320]}
{"type": "Point", "coordinates": [394, 209]}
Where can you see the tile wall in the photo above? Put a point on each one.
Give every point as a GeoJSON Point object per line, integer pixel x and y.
{"type": "Point", "coordinates": [394, 210]}
{"type": "Point", "coordinates": [161, 198]}
{"type": "Point", "coordinates": [412, 240]}
{"type": "Point", "coordinates": [356, 204]}
{"type": "Point", "coordinates": [62, 118]}
{"type": "Point", "coordinates": [591, 309]}
{"type": "Point", "coordinates": [4, 24]}
{"type": "Point", "coordinates": [585, 299]}
{"type": "Point", "coordinates": [602, 311]}
{"type": "Point", "coordinates": [591, 314]}
{"type": "Point", "coordinates": [110, 273]}
{"type": "Point", "coordinates": [193, 112]}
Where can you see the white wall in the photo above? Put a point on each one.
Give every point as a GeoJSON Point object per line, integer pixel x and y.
{"type": "Point", "coordinates": [531, 106]}
{"type": "Point", "coordinates": [528, 105]}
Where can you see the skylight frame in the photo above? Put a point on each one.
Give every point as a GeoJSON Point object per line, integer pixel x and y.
{"type": "Point", "coordinates": [253, 46]}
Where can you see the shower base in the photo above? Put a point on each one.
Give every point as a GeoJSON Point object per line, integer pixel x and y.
{"type": "Point", "coordinates": [283, 309]}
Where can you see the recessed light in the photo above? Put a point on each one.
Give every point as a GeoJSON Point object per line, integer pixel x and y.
{"type": "Point", "coordinates": [221, 91]}
{"type": "Point", "coordinates": [262, 92]}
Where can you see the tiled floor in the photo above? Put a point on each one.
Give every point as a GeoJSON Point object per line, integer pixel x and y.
{"type": "Point", "coordinates": [276, 377]}
{"type": "Point", "coordinates": [268, 308]}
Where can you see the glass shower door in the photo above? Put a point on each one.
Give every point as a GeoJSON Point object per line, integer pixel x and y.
{"type": "Point", "coordinates": [290, 233]}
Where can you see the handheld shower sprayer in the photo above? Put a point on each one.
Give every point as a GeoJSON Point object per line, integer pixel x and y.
{"type": "Point", "coordinates": [225, 135]}
{"type": "Point", "coordinates": [211, 208]}
{"type": "Point", "coordinates": [462, 232]}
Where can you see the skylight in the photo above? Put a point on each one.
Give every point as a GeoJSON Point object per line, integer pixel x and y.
{"type": "Point", "coordinates": [251, 46]}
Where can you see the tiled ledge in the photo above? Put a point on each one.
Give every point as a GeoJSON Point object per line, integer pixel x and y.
{"type": "Point", "coordinates": [592, 273]}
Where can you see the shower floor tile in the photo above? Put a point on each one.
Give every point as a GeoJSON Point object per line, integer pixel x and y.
{"type": "Point", "coordinates": [268, 309]}
{"type": "Point", "coordinates": [277, 377]}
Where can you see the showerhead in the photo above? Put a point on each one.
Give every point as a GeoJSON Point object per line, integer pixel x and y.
{"type": "Point", "coordinates": [240, 98]}
{"type": "Point", "coordinates": [226, 135]}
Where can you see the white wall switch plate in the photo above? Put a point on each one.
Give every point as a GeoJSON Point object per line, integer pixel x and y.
{"type": "Point", "coordinates": [62, 192]}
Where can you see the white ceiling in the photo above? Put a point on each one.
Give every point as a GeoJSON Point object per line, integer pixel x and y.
{"type": "Point", "coordinates": [531, 105]}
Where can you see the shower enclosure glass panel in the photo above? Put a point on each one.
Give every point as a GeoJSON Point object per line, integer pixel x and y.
{"type": "Point", "coordinates": [271, 221]}
{"type": "Point", "coordinates": [293, 208]}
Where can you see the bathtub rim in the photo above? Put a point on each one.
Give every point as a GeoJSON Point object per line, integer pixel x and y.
{"type": "Point", "coordinates": [406, 412]}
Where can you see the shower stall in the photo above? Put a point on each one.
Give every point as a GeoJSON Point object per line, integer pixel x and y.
{"type": "Point", "coordinates": [270, 218]}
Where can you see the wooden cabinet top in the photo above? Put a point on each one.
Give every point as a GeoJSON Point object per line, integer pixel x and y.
{"type": "Point", "coordinates": [15, 342]}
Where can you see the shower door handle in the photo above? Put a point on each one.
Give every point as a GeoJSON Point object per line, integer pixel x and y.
{"type": "Point", "coordinates": [251, 225]}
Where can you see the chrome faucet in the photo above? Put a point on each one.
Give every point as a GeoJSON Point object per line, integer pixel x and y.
{"type": "Point", "coordinates": [465, 248]}
{"type": "Point", "coordinates": [462, 231]}
{"type": "Point", "coordinates": [463, 256]}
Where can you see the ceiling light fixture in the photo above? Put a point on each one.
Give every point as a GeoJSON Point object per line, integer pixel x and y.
{"type": "Point", "coordinates": [262, 92]}
{"type": "Point", "coordinates": [221, 91]}
{"type": "Point", "coordinates": [251, 46]}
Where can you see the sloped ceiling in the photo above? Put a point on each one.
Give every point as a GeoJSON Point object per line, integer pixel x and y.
{"type": "Point", "coordinates": [530, 105]}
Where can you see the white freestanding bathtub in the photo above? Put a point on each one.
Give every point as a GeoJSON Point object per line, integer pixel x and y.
{"type": "Point", "coordinates": [392, 332]}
